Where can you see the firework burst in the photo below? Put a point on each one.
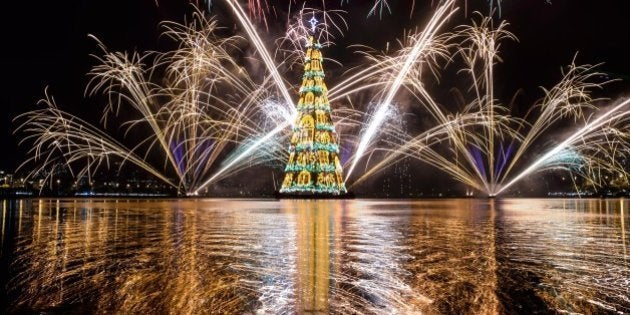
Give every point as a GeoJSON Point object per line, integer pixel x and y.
{"type": "Point", "coordinates": [204, 106]}
{"type": "Point", "coordinates": [206, 118]}
{"type": "Point", "coordinates": [482, 146]}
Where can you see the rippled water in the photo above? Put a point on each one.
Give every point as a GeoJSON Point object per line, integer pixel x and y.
{"type": "Point", "coordinates": [355, 256]}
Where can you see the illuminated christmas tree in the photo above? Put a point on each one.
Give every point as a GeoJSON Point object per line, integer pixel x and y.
{"type": "Point", "coordinates": [314, 167]}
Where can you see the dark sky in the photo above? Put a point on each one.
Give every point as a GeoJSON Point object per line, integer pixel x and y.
{"type": "Point", "coordinates": [45, 43]}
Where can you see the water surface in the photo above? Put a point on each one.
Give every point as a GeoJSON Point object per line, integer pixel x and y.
{"type": "Point", "coordinates": [276, 257]}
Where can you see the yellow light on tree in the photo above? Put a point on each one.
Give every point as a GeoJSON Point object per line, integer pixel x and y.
{"type": "Point", "coordinates": [314, 166]}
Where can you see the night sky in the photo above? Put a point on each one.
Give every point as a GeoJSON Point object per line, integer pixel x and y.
{"type": "Point", "coordinates": [45, 43]}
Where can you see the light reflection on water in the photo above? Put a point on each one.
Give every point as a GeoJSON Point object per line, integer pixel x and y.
{"type": "Point", "coordinates": [356, 256]}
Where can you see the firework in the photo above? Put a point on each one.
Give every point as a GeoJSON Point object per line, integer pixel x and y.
{"type": "Point", "coordinates": [599, 145]}
{"type": "Point", "coordinates": [482, 145]}
{"type": "Point", "coordinates": [206, 105]}
{"type": "Point", "coordinates": [207, 118]}
{"type": "Point", "coordinates": [422, 43]}
{"type": "Point", "coordinates": [290, 46]}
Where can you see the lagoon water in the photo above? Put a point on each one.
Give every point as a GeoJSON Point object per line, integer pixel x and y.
{"type": "Point", "coordinates": [186, 256]}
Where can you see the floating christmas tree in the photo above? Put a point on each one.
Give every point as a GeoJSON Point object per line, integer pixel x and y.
{"type": "Point", "coordinates": [314, 167]}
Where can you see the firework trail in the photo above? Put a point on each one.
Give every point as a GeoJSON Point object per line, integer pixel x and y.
{"type": "Point", "coordinates": [600, 126]}
{"type": "Point", "coordinates": [205, 105]}
{"type": "Point", "coordinates": [425, 37]}
{"type": "Point", "coordinates": [209, 119]}
{"type": "Point", "coordinates": [481, 145]}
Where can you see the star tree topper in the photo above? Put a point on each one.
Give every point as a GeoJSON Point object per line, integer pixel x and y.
{"type": "Point", "coordinates": [313, 22]}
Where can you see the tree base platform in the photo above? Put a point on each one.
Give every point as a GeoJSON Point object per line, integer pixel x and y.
{"type": "Point", "coordinates": [279, 195]}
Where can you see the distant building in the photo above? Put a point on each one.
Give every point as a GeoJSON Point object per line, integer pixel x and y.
{"type": "Point", "coordinates": [6, 180]}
